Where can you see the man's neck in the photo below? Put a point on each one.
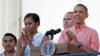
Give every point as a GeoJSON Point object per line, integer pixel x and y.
{"type": "Point", "coordinates": [78, 25]}
{"type": "Point", "coordinates": [9, 53]}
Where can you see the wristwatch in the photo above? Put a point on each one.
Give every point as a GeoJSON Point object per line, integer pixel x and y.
{"type": "Point", "coordinates": [79, 45]}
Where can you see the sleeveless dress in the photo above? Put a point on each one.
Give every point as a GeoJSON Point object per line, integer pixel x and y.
{"type": "Point", "coordinates": [37, 39]}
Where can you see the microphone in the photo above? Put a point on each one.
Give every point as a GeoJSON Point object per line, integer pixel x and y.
{"type": "Point", "coordinates": [52, 32]}
{"type": "Point", "coordinates": [56, 31]}
{"type": "Point", "coordinates": [49, 32]}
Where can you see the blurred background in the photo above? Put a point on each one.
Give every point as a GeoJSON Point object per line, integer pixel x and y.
{"type": "Point", "coordinates": [51, 14]}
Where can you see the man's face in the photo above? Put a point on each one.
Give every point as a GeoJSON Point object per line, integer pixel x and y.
{"type": "Point", "coordinates": [68, 20]}
{"type": "Point", "coordinates": [79, 14]}
{"type": "Point", "coordinates": [9, 43]}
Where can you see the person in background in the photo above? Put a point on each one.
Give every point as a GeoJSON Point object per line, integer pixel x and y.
{"type": "Point", "coordinates": [80, 35]}
{"type": "Point", "coordinates": [30, 36]}
{"type": "Point", "coordinates": [68, 20]}
{"type": "Point", "coordinates": [9, 42]}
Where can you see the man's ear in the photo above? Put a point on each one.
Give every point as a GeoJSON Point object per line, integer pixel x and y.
{"type": "Point", "coordinates": [37, 23]}
{"type": "Point", "coordinates": [2, 44]}
{"type": "Point", "coordinates": [87, 15]}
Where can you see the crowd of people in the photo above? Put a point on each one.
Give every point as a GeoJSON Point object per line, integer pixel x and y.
{"type": "Point", "coordinates": [75, 32]}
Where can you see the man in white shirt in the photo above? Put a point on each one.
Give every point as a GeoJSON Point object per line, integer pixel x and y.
{"type": "Point", "coordinates": [9, 42]}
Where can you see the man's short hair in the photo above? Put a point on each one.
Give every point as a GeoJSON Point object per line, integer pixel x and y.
{"type": "Point", "coordinates": [70, 12]}
{"type": "Point", "coordinates": [83, 7]}
{"type": "Point", "coordinates": [10, 34]}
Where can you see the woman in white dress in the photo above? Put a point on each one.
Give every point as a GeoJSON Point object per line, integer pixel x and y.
{"type": "Point", "coordinates": [30, 37]}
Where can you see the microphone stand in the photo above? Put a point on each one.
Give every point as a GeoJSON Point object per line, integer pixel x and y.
{"type": "Point", "coordinates": [51, 37]}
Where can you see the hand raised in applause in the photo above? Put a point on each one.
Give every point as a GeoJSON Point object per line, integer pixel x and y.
{"type": "Point", "coordinates": [72, 38]}
{"type": "Point", "coordinates": [25, 36]}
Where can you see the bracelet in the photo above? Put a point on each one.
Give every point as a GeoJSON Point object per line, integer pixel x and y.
{"type": "Point", "coordinates": [79, 45]}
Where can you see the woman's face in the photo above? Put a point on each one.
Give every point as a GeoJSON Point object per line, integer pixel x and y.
{"type": "Point", "coordinates": [30, 25]}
